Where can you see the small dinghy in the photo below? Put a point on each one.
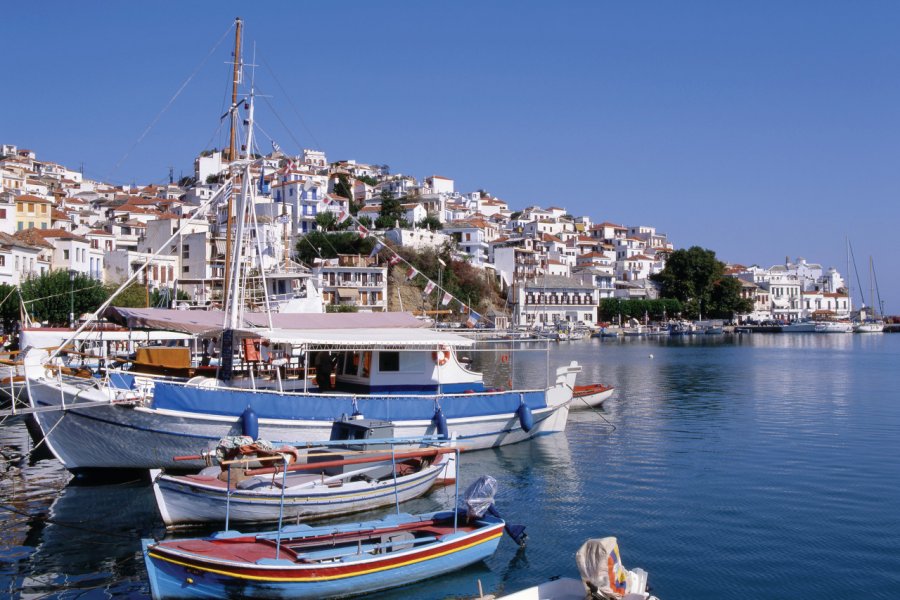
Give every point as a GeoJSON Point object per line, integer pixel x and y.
{"type": "Point", "coordinates": [256, 483]}
{"type": "Point", "coordinates": [603, 577]}
{"type": "Point", "coordinates": [299, 561]}
{"type": "Point", "coordinates": [590, 396]}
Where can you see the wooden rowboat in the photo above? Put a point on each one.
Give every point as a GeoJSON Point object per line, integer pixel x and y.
{"type": "Point", "coordinates": [590, 396]}
{"type": "Point", "coordinates": [328, 483]}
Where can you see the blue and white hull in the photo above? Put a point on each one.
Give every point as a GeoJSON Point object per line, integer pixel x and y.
{"type": "Point", "coordinates": [125, 429]}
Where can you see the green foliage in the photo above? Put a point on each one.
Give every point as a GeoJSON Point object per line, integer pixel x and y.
{"type": "Point", "coordinates": [515, 215]}
{"type": "Point", "coordinates": [342, 187]}
{"type": "Point", "coordinates": [341, 308]}
{"type": "Point", "coordinates": [726, 301]}
{"type": "Point", "coordinates": [213, 178]}
{"type": "Point", "coordinates": [656, 310]}
{"type": "Point", "coordinates": [134, 296]}
{"type": "Point", "coordinates": [186, 181]}
{"type": "Point", "coordinates": [330, 244]}
{"type": "Point", "coordinates": [9, 310]}
{"type": "Point", "coordinates": [368, 180]}
{"type": "Point", "coordinates": [465, 282]}
{"type": "Point", "coordinates": [328, 221]}
{"type": "Point", "coordinates": [162, 298]}
{"type": "Point", "coordinates": [391, 213]}
{"type": "Point", "coordinates": [50, 296]}
{"type": "Point", "coordinates": [696, 278]}
{"type": "Point", "coordinates": [431, 222]}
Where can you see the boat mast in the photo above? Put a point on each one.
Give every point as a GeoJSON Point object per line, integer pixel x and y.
{"type": "Point", "coordinates": [236, 76]}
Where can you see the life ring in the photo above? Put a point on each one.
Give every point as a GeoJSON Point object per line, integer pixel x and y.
{"type": "Point", "coordinates": [441, 356]}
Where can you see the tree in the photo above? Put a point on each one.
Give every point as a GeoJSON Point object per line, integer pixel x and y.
{"type": "Point", "coordinates": [342, 187]}
{"type": "Point", "coordinates": [392, 212]}
{"type": "Point", "coordinates": [186, 181]}
{"type": "Point", "coordinates": [134, 296]}
{"type": "Point", "coordinates": [694, 277]}
{"type": "Point", "coordinates": [726, 300]}
{"type": "Point", "coordinates": [321, 244]}
{"type": "Point", "coordinates": [431, 222]}
{"type": "Point", "coordinates": [515, 215]}
{"type": "Point", "coordinates": [51, 296]}
{"type": "Point", "coordinates": [9, 309]}
{"type": "Point", "coordinates": [327, 221]}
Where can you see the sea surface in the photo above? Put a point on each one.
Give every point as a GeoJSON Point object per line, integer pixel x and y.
{"type": "Point", "coordinates": [749, 466]}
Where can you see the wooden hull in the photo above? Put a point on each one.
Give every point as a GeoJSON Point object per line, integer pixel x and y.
{"type": "Point", "coordinates": [366, 558]}
{"type": "Point", "coordinates": [590, 396]}
{"type": "Point", "coordinates": [185, 500]}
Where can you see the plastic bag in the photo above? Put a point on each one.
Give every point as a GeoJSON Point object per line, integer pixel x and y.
{"type": "Point", "coordinates": [479, 496]}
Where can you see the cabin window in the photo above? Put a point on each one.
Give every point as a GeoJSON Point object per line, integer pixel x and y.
{"type": "Point", "coordinates": [388, 361]}
{"type": "Point", "coordinates": [351, 364]}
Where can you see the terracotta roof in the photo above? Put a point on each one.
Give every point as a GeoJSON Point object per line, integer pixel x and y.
{"type": "Point", "coordinates": [99, 232]}
{"type": "Point", "coordinates": [31, 198]}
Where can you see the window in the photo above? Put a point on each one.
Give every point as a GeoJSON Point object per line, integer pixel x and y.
{"type": "Point", "coordinates": [21, 225]}
{"type": "Point", "coordinates": [185, 269]}
{"type": "Point", "coordinates": [2, 213]}
{"type": "Point", "coordinates": [65, 255]}
{"type": "Point", "coordinates": [43, 209]}
{"type": "Point", "coordinates": [2, 261]}
{"type": "Point", "coordinates": [185, 251]}
{"type": "Point", "coordinates": [43, 226]}
{"type": "Point", "coordinates": [388, 361]}
{"type": "Point", "coordinates": [31, 207]}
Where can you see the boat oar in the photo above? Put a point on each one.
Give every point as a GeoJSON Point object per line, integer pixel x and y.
{"type": "Point", "coordinates": [355, 461]}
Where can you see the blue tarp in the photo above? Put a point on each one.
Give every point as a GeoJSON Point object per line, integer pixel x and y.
{"type": "Point", "coordinates": [272, 405]}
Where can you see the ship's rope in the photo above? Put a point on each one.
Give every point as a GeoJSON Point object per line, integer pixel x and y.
{"type": "Point", "coordinates": [171, 101]}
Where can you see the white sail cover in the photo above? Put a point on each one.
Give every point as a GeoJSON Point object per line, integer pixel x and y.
{"type": "Point", "coordinates": [601, 567]}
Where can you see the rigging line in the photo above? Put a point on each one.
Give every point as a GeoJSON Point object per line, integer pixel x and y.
{"type": "Point", "coordinates": [2, 302]}
{"type": "Point", "coordinates": [283, 124]}
{"type": "Point", "coordinates": [862, 295]}
{"type": "Point", "coordinates": [291, 103]}
{"type": "Point", "coordinates": [81, 289]}
{"type": "Point", "coordinates": [172, 100]}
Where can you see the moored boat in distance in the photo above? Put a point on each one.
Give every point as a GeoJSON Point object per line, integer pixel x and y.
{"type": "Point", "coordinates": [590, 396]}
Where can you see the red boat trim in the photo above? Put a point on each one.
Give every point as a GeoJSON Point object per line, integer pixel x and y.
{"type": "Point", "coordinates": [318, 573]}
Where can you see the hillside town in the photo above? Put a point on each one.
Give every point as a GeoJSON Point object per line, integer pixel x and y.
{"type": "Point", "coordinates": [550, 266]}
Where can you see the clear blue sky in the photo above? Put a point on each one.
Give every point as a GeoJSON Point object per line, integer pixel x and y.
{"type": "Point", "coordinates": [759, 130]}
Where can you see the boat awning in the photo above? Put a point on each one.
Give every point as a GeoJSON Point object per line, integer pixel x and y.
{"type": "Point", "coordinates": [360, 339]}
{"type": "Point", "coordinates": [203, 321]}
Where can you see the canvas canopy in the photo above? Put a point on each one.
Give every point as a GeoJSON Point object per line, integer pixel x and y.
{"type": "Point", "coordinates": [204, 321]}
{"type": "Point", "coordinates": [362, 338]}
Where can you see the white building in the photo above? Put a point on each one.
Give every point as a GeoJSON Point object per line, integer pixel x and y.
{"type": "Point", "coordinates": [551, 299]}
{"type": "Point", "coordinates": [352, 280]}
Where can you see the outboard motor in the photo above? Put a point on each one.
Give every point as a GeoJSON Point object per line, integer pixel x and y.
{"type": "Point", "coordinates": [479, 500]}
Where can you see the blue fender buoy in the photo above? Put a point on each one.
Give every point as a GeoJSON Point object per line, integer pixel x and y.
{"type": "Point", "coordinates": [250, 423]}
{"type": "Point", "coordinates": [526, 420]}
{"type": "Point", "coordinates": [440, 423]}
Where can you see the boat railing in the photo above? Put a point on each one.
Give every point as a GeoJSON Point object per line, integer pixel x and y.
{"type": "Point", "coordinates": [285, 459]}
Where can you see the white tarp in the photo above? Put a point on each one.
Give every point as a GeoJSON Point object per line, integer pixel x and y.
{"type": "Point", "coordinates": [362, 338]}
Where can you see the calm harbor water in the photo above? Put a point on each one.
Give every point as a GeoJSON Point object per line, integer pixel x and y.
{"type": "Point", "coordinates": [754, 466]}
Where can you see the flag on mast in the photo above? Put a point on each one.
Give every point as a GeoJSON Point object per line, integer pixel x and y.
{"type": "Point", "coordinates": [363, 232]}
{"type": "Point", "coordinates": [394, 260]}
{"type": "Point", "coordinates": [376, 249]}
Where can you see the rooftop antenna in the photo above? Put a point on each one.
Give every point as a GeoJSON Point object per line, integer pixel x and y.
{"type": "Point", "coordinates": [171, 175]}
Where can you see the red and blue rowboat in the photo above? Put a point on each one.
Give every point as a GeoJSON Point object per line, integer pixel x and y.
{"type": "Point", "coordinates": [320, 562]}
